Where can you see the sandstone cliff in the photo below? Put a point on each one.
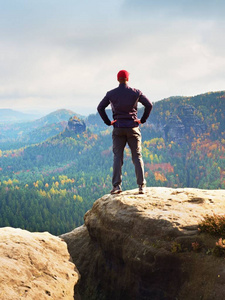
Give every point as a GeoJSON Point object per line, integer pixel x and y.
{"type": "Point", "coordinates": [76, 125]}
{"type": "Point", "coordinates": [148, 246]}
{"type": "Point", "coordinates": [35, 266]}
{"type": "Point", "coordinates": [186, 122]}
{"type": "Point", "coordinates": [136, 247]}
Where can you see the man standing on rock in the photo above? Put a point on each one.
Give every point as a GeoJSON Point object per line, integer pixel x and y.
{"type": "Point", "coordinates": [124, 101]}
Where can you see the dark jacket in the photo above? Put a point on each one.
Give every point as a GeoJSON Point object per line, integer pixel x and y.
{"type": "Point", "coordinates": [124, 101]}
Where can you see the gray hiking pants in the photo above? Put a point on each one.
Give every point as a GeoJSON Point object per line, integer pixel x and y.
{"type": "Point", "coordinates": [120, 137]}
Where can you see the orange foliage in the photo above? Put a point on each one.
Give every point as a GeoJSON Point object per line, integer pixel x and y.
{"type": "Point", "coordinates": [166, 167]}
{"type": "Point", "coordinates": [213, 147]}
{"type": "Point", "coordinates": [222, 174]}
{"type": "Point", "coordinates": [159, 176]}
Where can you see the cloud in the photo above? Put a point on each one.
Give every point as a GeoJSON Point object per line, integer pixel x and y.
{"type": "Point", "coordinates": [75, 71]}
{"type": "Point", "coordinates": [55, 55]}
{"type": "Point", "coordinates": [178, 8]}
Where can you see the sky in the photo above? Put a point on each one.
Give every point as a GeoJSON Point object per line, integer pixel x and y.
{"type": "Point", "coordinates": [59, 54]}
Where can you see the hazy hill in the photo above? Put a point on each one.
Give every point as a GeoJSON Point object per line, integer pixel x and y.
{"type": "Point", "coordinates": [43, 133]}
{"type": "Point", "coordinates": [13, 134]}
{"type": "Point", "coordinates": [180, 120]}
{"type": "Point", "coordinates": [10, 115]}
{"type": "Point", "coordinates": [55, 117]}
{"type": "Point", "coordinates": [48, 126]}
{"type": "Point", "coordinates": [208, 107]}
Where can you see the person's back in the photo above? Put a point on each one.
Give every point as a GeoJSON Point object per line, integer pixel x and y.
{"type": "Point", "coordinates": [124, 101]}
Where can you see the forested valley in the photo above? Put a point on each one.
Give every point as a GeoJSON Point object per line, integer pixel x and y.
{"type": "Point", "coordinates": [51, 175]}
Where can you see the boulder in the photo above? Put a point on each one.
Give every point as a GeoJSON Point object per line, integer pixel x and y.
{"type": "Point", "coordinates": [142, 247]}
{"type": "Point", "coordinates": [35, 266]}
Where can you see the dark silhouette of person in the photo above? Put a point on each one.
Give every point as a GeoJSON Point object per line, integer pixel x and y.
{"type": "Point", "coordinates": [124, 101]}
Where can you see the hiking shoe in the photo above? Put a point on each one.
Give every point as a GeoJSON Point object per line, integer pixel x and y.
{"type": "Point", "coordinates": [141, 189]}
{"type": "Point", "coordinates": [116, 190]}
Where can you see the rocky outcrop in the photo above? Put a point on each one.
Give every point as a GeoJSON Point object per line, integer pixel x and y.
{"type": "Point", "coordinates": [186, 121]}
{"type": "Point", "coordinates": [190, 118]}
{"type": "Point", "coordinates": [35, 266]}
{"type": "Point", "coordinates": [76, 125]}
{"type": "Point", "coordinates": [142, 247]}
{"type": "Point", "coordinates": [174, 129]}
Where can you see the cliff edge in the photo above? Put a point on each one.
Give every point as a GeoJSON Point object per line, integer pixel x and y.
{"type": "Point", "coordinates": [149, 247]}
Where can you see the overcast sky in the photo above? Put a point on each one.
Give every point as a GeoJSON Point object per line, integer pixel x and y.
{"type": "Point", "coordinates": [66, 53]}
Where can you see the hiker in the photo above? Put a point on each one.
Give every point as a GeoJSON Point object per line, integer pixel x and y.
{"type": "Point", "coordinates": [124, 101]}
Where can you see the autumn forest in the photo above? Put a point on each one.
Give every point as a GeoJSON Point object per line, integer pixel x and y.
{"type": "Point", "coordinates": [51, 173]}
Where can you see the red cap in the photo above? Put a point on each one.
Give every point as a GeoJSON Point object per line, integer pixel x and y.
{"type": "Point", "coordinates": [123, 74]}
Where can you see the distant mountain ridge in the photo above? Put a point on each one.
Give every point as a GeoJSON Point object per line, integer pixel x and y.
{"type": "Point", "coordinates": [164, 121]}
{"type": "Point", "coordinates": [37, 130]}
{"type": "Point", "coordinates": [10, 115]}
{"type": "Point", "coordinates": [206, 110]}
{"type": "Point", "coordinates": [55, 117]}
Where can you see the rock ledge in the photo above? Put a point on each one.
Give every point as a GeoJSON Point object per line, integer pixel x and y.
{"type": "Point", "coordinates": [141, 246]}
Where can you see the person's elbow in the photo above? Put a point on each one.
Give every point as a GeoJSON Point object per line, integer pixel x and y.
{"type": "Point", "coordinates": [150, 105]}
{"type": "Point", "coordinates": [100, 108]}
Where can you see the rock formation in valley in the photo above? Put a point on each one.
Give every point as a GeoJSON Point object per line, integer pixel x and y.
{"type": "Point", "coordinates": [76, 125]}
{"type": "Point", "coordinates": [185, 122]}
